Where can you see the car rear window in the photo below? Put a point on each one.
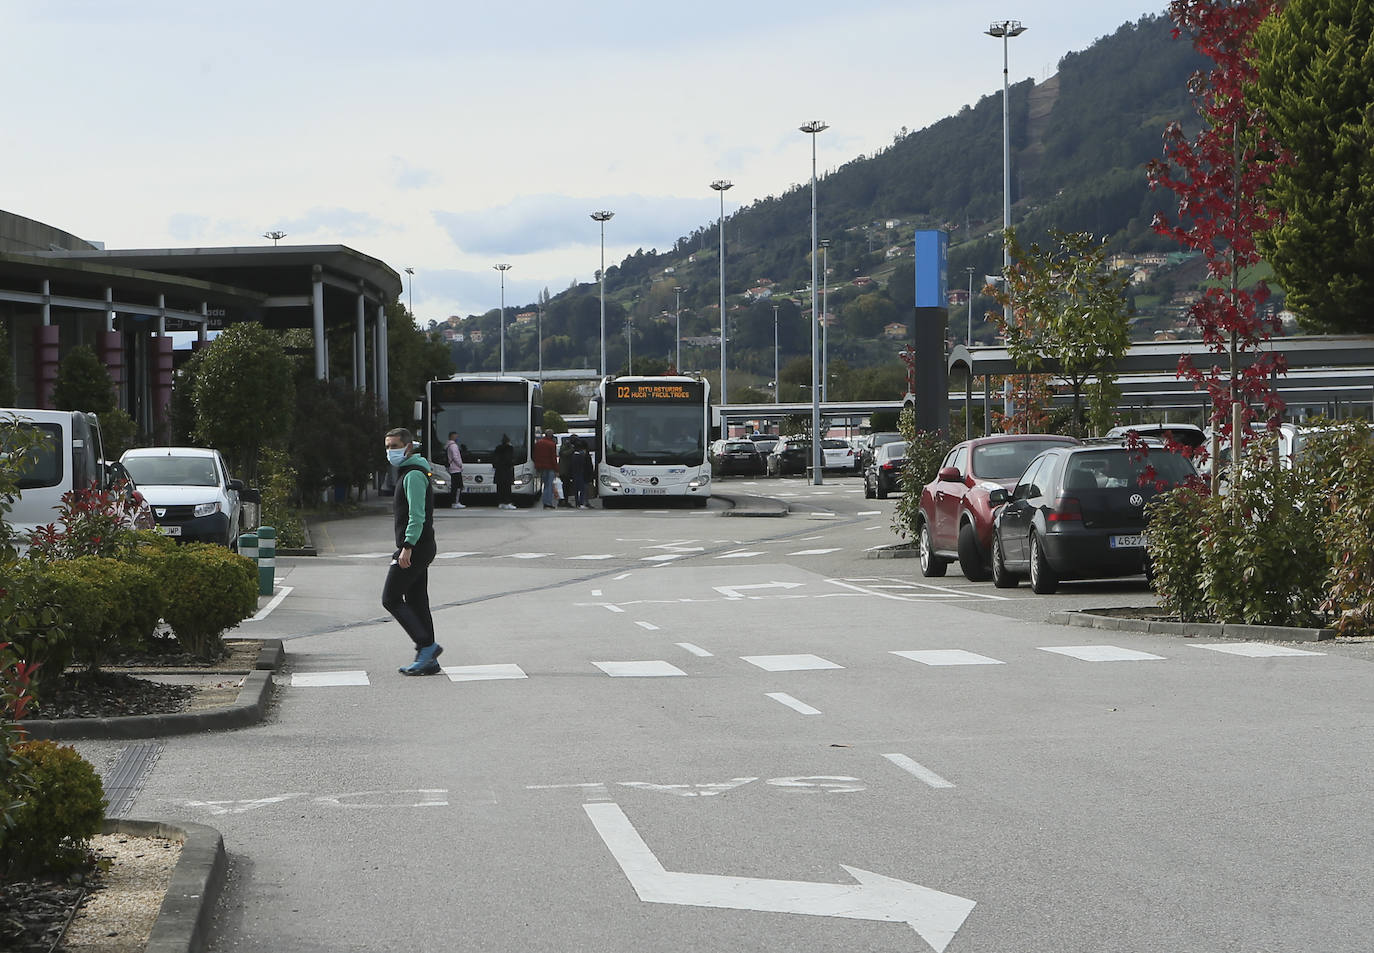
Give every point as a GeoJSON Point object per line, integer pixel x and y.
{"type": "Point", "coordinates": [831, 443]}
{"type": "Point", "coordinates": [739, 446]}
{"type": "Point", "coordinates": [1007, 461]}
{"type": "Point", "coordinates": [1121, 468]}
{"type": "Point", "coordinates": [889, 451]}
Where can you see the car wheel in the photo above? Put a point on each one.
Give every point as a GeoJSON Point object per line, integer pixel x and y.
{"type": "Point", "coordinates": [868, 489]}
{"type": "Point", "coordinates": [1042, 577]}
{"type": "Point", "coordinates": [1001, 576]}
{"type": "Point", "coordinates": [931, 564]}
{"type": "Point", "coordinates": [970, 560]}
{"type": "Point", "coordinates": [879, 489]}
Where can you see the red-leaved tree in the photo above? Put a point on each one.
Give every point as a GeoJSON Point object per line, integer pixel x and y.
{"type": "Point", "coordinates": [1220, 179]}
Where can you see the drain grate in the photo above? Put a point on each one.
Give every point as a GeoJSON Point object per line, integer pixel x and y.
{"type": "Point", "coordinates": [126, 777]}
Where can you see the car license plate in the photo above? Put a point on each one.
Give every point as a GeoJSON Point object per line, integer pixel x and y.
{"type": "Point", "coordinates": [169, 530]}
{"type": "Point", "coordinates": [1127, 542]}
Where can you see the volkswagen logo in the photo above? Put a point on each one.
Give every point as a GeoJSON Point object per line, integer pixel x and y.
{"type": "Point", "coordinates": [1137, 499]}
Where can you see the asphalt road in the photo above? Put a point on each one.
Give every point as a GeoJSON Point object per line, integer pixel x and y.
{"type": "Point", "coordinates": [673, 731]}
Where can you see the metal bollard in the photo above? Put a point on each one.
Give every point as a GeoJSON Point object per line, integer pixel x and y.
{"type": "Point", "coordinates": [248, 546]}
{"type": "Point", "coordinates": [267, 559]}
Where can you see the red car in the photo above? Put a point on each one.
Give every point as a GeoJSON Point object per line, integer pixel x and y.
{"type": "Point", "coordinates": [955, 519]}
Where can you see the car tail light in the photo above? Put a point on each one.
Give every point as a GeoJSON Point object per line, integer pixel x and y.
{"type": "Point", "coordinates": [888, 466]}
{"type": "Point", "coordinates": [1065, 509]}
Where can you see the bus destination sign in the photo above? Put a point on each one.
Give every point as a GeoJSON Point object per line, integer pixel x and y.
{"type": "Point", "coordinates": [656, 392]}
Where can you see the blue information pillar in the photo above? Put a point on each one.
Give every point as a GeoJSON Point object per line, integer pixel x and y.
{"type": "Point", "coordinates": [930, 323]}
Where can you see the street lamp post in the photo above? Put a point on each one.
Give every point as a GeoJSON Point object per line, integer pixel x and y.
{"type": "Point", "coordinates": [677, 358]}
{"type": "Point", "coordinates": [825, 318]}
{"type": "Point", "coordinates": [776, 383]}
{"type": "Point", "coordinates": [968, 341]}
{"type": "Point", "coordinates": [503, 268]}
{"type": "Point", "coordinates": [539, 339]}
{"type": "Point", "coordinates": [817, 476]}
{"type": "Point", "coordinates": [720, 185]}
{"type": "Point", "coordinates": [603, 217]}
{"type": "Point", "coordinates": [410, 278]}
{"type": "Point", "coordinates": [1005, 30]}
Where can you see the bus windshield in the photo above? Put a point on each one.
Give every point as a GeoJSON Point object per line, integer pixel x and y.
{"type": "Point", "coordinates": [649, 434]}
{"type": "Point", "coordinates": [480, 427]}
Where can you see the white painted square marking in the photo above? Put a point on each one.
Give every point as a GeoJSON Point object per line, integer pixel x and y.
{"type": "Point", "coordinates": [792, 703]}
{"type": "Point", "coordinates": [525, 555]}
{"type": "Point", "coordinates": [789, 663]}
{"type": "Point", "coordinates": [696, 650]}
{"type": "Point", "coordinates": [814, 552]}
{"type": "Point", "coordinates": [647, 625]}
{"type": "Point", "coordinates": [328, 679]}
{"type": "Point", "coordinates": [653, 669]}
{"type": "Point", "coordinates": [869, 513]}
{"type": "Point", "coordinates": [948, 657]}
{"type": "Point", "coordinates": [1101, 653]}
{"type": "Point", "coordinates": [1256, 650]}
{"type": "Point", "coordinates": [918, 771]}
{"type": "Point", "coordinates": [483, 673]}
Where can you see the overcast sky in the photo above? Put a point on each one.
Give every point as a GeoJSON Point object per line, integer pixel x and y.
{"type": "Point", "coordinates": [450, 136]}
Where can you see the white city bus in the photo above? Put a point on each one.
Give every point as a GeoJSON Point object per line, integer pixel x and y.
{"type": "Point", "coordinates": [651, 439]}
{"type": "Point", "coordinates": [481, 410]}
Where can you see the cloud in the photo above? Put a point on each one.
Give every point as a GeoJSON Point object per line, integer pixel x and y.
{"type": "Point", "coordinates": [408, 177]}
{"type": "Point", "coordinates": [540, 223]}
{"type": "Point", "coordinates": [333, 222]}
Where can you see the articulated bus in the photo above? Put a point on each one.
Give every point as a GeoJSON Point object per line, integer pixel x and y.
{"type": "Point", "coordinates": [651, 437]}
{"type": "Point", "coordinates": [481, 410]}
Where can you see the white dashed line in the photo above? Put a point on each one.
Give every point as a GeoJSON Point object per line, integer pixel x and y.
{"type": "Point", "coordinates": [794, 704]}
{"type": "Point", "coordinates": [647, 625]}
{"type": "Point", "coordinates": [696, 650]}
{"type": "Point", "coordinates": [917, 771]}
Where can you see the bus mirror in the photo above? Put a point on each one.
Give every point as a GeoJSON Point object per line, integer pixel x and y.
{"type": "Point", "coordinates": [419, 411]}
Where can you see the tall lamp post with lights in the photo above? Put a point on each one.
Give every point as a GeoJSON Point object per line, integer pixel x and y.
{"type": "Point", "coordinates": [968, 341]}
{"type": "Point", "coordinates": [825, 318]}
{"type": "Point", "coordinates": [1005, 30]}
{"type": "Point", "coordinates": [603, 217]}
{"type": "Point", "coordinates": [776, 382]}
{"type": "Point", "coordinates": [813, 128]}
{"type": "Point", "coordinates": [677, 310]}
{"type": "Point", "coordinates": [410, 279]}
{"type": "Point", "coordinates": [503, 268]}
{"type": "Point", "coordinates": [720, 185]}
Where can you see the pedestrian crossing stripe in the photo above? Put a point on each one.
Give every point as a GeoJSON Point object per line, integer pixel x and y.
{"type": "Point", "coordinates": [328, 679]}
{"type": "Point", "coordinates": [482, 673]}
{"type": "Point", "coordinates": [949, 657]}
{"type": "Point", "coordinates": [1102, 653]}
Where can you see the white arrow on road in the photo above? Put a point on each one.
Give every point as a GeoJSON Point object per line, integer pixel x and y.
{"type": "Point", "coordinates": [736, 592]}
{"type": "Point", "coordinates": [936, 917]}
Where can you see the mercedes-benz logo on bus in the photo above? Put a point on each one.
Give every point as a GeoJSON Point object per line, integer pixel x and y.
{"type": "Point", "coordinates": [477, 479]}
{"type": "Point", "coordinates": [653, 481]}
{"type": "Point", "coordinates": [1137, 499]}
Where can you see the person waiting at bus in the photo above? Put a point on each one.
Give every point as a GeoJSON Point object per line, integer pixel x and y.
{"type": "Point", "coordinates": [579, 465]}
{"type": "Point", "coordinates": [503, 465]}
{"type": "Point", "coordinates": [455, 468]}
{"type": "Point", "coordinates": [546, 462]}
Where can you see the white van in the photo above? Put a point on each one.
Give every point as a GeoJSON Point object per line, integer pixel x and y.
{"type": "Point", "coordinates": [71, 459]}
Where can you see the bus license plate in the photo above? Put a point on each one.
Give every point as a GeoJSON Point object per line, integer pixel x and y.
{"type": "Point", "coordinates": [1127, 542]}
{"type": "Point", "coordinates": [169, 530]}
{"type": "Point", "coordinates": [478, 488]}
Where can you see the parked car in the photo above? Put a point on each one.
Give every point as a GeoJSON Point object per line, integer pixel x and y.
{"type": "Point", "coordinates": [764, 442]}
{"type": "Point", "coordinates": [1190, 435]}
{"type": "Point", "coordinates": [69, 459]}
{"type": "Point", "coordinates": [872, 442]}
{"type": "Point", "coordinates": [736, 456]}
{"type": "Point", "coordinates": [837, 454]}
{"type": "Point", "coordinates": [884, 474]}
{"type": "Point", "coordinates": [190, 492]}
{"type": "Point", "coordinates": [1079, 513]}
{"type": "Point", "coordinates": [791, 454]}
{"type": "Point", "coordinates": [955, 518]}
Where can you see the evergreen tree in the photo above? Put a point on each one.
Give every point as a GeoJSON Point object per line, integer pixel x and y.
{"type": "Point", "coordinates": [1316, 83]}
{"type": "Point", "coordinates": [83, 383]}
{"type": "Point", "coordinates": [9, 387]}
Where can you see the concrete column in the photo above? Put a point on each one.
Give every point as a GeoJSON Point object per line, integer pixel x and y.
{"type": "Point", "coordinates": [317, 302]}
{"type": "Point", "coordinates": [46, 355]}
{"type": "Point", "coordinates": [111, 351]}
{"type": "Point", "coordinates": [201, 336]}
{"type": "Point", "coordinates": [109, 309]}
{"type": "Point", "coordinates": [360, 345]}
{"type": "Point", "coordinates": [383, 374]}
{"type": "Point", "coordinates": [47, 303]}
{"type": "Point", "coordinates": [161, 383]}
{"type": "Point", "coordinates": [376, 350]}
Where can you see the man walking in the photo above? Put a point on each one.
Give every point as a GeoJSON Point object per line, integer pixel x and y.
{"type": "Point", "coordinates": [546, 462]}
{"type": "Point", "coordinates": [406, 593]}
{"type": "Point", "coordinates": [455, 469]}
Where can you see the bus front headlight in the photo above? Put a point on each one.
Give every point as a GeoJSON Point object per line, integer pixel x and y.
{"type": "Point", "coordinates": [522, 479]}
{"type": "Point", "coordinates": [699, 482]}
{"type": "Point", "coordinates": [610, 482]}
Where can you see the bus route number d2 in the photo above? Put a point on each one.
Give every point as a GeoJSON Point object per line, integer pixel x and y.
{"type": "Point", "coordinates": [622, 392]}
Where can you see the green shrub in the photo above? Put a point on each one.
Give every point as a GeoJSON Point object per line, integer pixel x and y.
{"type": "Point", "coordinates": [1339, 461]}
{"type": "Point", "coordinates": [925, 451]}
{"type": "Point", "coordinates": [205, 590]}
{"type": "Point", "coordinates": [15, 679]}
{"type": "Point", "coordinates": [33, 614]}
{"type": "Point", "coordinates": [1178, 521]}
{"type": "Point", "coordinates": [277, 483]}
{"type": "Point", "coordinates": [112, 604]}
{"type": "Point", "coordinates": [59, 813]}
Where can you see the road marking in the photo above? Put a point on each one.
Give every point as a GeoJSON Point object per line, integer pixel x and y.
{"type": "Point", "coordinates": [1101, 653]}
{"type": "Point", "coordinates": [814, 552]}
{"type": "Point", "coordinates": [688, 790]}
{"type": "Point", "coordinates": [647, 625]}
{"type": "Point", "coordinates": [594, 556]}
{"type": "Point", "coordinates": [920, 772]}
{"type": "Point", "coordinates": [935, 916]}
{"type": "Point", "coordinates": [792, 703]}
{"type": "Point", "coordinates": [948, 657]}
{"type": "Point", "coordinates": [789, 663]}
{"type": "Point", "coordinates": [920, 592]}
{"type": "Point", "coordinates": [608, 606]}
{"type": "Point", "coordinates": [483, 673]}
{"type": "Point", "coordinates": [696, 650]}
{"type": "Point", "coordinates": [524, 556]}
{"type": "Point", "coordinates": [737, 592]}
{"type": "Point", "coordinates": [742, 554]}
{"type": "Point", "coordinates": [662, 557]}
{"type": "Point", "coordinates": [266, 610]}
{"type": "Point", "coordinates": [328, 679]}
{"type": "Point", "coordinates": [1256, 650]}
{"type": "Point", "coordinates": [596, 592]}
{"type": "Point", "coordinates": [455, 555]}
{"type": "Point", "coordinates": [652, 669]}
{"type": "Point", "coordinates": [869, 513]}
{"type": "Point", "coordinates": [623, 575]}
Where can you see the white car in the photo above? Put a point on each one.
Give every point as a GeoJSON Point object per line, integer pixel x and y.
{"type": "Point", "coordinates": [839, 455]}
{"type": "Point", "coordinates": [190, 492]}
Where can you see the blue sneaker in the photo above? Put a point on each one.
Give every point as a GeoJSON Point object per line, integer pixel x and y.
{"type": "Point", "coordinates": [426, 661]}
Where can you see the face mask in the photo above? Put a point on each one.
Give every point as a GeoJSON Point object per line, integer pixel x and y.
{"type": "Point", "coordinates": [395, 457]}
